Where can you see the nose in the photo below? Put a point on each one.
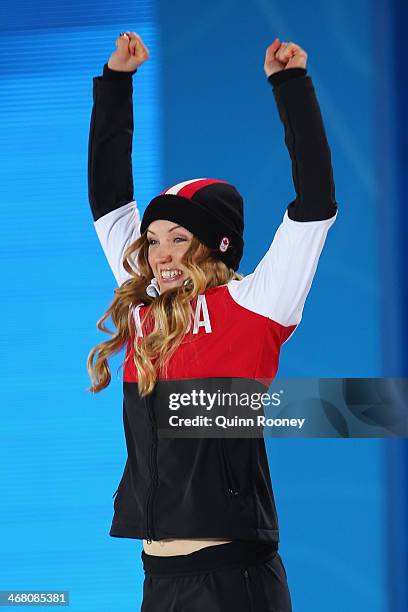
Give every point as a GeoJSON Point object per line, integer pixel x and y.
{"type": "Point", "coordinates": [163, 255]}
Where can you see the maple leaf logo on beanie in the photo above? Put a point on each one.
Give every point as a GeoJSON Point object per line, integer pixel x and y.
{"type": "Point", "coordinates": [224, 244]}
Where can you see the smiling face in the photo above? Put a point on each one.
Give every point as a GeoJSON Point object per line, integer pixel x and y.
{"type": "Point", "coordinates": [168, 242]}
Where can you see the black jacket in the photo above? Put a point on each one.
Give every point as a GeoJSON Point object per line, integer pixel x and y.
{"type": "Point", "coordinates": [213, 487]}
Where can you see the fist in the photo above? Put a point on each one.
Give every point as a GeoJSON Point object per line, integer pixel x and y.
{"type": "Point", "coordinates": [280, 56]}
{"type": "Point", "coordinates": [131, 52]}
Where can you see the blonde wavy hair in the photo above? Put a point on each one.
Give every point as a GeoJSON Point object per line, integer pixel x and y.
{"type": "Point", "coordinates": [167, 317]}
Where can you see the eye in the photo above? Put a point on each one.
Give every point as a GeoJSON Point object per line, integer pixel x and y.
{"type": "Point", "coordinates": [151, 241]}
{"type": "Point", "coordinates": [181, 238]}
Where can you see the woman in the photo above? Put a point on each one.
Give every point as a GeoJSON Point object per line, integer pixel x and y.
{"type": "Point", "coordinates": [203, 506]}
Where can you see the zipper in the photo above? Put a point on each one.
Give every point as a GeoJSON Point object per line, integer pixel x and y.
{"type": "Point", "coordinates": [248, 588]}
{"type": "Point", "coordinates": [150, 494]}
{"type": "Point", "coordinates": [232, 490]}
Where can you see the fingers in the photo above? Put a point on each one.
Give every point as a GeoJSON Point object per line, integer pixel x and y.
{"type": "Point", "coordinates": [122, 44]}
{"type": "Point", "coordinates": [284, 53]}
{"type": "Point", "coordinates": [281, 50]}
{"type": "Point", "coordinates": [271, 50]}
{"type": "Point", "coordinates": [134, 42]}
{"type": "Point", "coordinates": [122, 41]}
{"type": "Point", "coordinates": [132, 37]}
{"type": "Point", "coordinates": [287, 50]}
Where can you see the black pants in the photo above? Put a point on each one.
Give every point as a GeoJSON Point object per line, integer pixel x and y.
{"type": "Point", "coordinates": [237, 576]}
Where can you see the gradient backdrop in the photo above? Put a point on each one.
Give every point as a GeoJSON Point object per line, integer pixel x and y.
{"type": "Point", "coordinates": [203, 107]}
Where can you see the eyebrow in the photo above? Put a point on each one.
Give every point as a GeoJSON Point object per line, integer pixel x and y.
{"type": "Point", "coordinates": [173, 228]}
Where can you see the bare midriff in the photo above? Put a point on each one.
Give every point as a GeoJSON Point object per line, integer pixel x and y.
{"type": "Point", "coordinates": [168, 548]}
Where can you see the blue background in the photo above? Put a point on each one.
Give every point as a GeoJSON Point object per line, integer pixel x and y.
{"type": "Point", "coordinates": [203, 107]}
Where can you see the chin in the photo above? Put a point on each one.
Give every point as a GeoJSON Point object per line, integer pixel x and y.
{"type": "Point", "coordinates": [170, 285]}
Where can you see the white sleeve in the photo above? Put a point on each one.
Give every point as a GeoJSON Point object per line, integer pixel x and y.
{"type": "Point", "coordinates": [116, 231]}
{"type": "Point", "coordinates": [278, 287]}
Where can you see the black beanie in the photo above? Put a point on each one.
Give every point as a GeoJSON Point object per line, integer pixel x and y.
{"type": "Point", "coordinates": [211, 209]}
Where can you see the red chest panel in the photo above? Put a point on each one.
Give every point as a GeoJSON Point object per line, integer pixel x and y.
{"type": "Point", "coordinates": [225, 340]}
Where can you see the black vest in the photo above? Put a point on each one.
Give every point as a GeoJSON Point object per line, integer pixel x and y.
{"type": "Point", "coordinates": [191, 487]}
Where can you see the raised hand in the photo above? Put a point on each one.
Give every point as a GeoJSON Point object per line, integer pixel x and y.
{"type": "Point", "coordinates": [131, 52]}
{"type": "Point", "coordinates": [280, 56]}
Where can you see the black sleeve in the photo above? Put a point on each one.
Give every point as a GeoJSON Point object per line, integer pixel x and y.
{"type": "Point", "coordinates": [110, 180]}
{"type": "Point", "coordinates": [307, 144]}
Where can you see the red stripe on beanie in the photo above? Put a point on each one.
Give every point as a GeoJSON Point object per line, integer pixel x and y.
{"type": "Point", "coordinates": [174, 189]}
{"type": "Point", "coordinates": [187, 191]}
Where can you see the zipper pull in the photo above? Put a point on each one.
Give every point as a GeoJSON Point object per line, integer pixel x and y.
{"type": "Point", "coordinates": [245, 573]}
{"type": "Point", "coordinates": [233, 492]}
{"type": "Point", "coordinates": [148, 541]}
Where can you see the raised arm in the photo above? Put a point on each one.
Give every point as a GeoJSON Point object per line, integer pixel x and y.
{"type": "Point", "coordinates": [281, 282]}
{"type": "Point", "coordinates": [110, 180]}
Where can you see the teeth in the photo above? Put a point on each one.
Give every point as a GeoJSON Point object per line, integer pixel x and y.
{"type": "Point", "coordinates": [170, 273]}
